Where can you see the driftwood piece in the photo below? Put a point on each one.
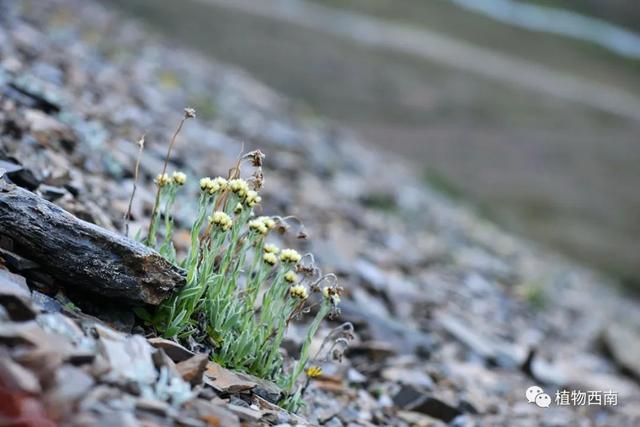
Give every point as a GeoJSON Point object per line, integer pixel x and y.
{"type": "Point", "coordinates": [83, 256]}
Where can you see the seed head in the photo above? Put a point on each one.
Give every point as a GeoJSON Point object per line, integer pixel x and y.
{"type": "Point", "coordinates": [299, 291]}
{"type": "Point", "coordinates": [332, 294]}
{"type": "Point", "coordinates": [239, 186]}
{"type": "Point", "coordinates": [314, 371]}
{"type": "Point", "coordinates": [290, 255]}
{"type": "Point", "coordinates": [270, 259]}
{"type": "Point", "coordinates": [189, 113]}
{"type": "Point", "coordinates": [258, 227]}
{"type": "Point", "coordinates": [252, 198]}
{"type": "Point", "coordinates": [221, 220]}
{"type": "Point", "coordinates": [256, 157]}
{"type": "Point", "coordinates": [162, 180]}
{"type": "Point", "coordinates": [179, 178]}
{"type": "Point", "coordinates": [290, 277]}
{"type": "Point", "coordinates": [270, 249]}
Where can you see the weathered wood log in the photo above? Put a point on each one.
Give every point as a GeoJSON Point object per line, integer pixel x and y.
{"type": "Point", "coordinates": [83, 256]}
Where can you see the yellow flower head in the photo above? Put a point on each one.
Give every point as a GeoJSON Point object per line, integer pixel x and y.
{"type": "Point", "coordinates": [270, 249]}
{"type": "Point", "coordinates": [219, 183]}
{"type": "Point", "coordinates": [268, 221]}
{"type": "Point", "coordinates": [299, 291]}
{"type": "Point", "coordinates": [221, 220]}
{"type": "Point", "coordinates": [270, 259]}
{"type": "Point", "coordinates": [204, 183]}
{"type": "Point", "coordinates": [258, 227]}
{"type": "Point", "coordinates": [237, 209]}
{"type": "Point", "coordinates": [179, 178]}
{"type": "Point", "coordinates": [212, 186]}
{"type": "Point", "coordinates": [290, 255]}
{"type": "Point", "coordinates": [314, 371]}
{"type": "Point", "coordinates": [162, 179]}
{"type": "Point", "coordinates": [252, 198]}
{"type": "Point", "coordinates": [239, 186]}
{"type": "Point", "coordinates": [290, 277]}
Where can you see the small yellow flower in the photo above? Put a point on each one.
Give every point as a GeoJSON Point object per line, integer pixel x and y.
{"type": "Point", "coordinates": [239, 186]}
{"type": "Point", "coordinates": [258, 226]}
{"type": "Point", "coordinates": [290, 277]}
{"type": "Point", "coordinates": [238, 209]}
{"type": "Point", "coordinates": [270, 259]}
{"type": "Point", "coordinates": [314, 371]}
{"type": "Point", "coordinates": [299, 291]}
{"type": "Point", "coordinates": [252, 198]}
{"type": "Point", "coordinates": [162, 180]}
{"type": "Point", "coordinates": [179, 178]}
{"type": "Point", "coordinates": [221, 220]}
{"type": "Point", "coordinates": [270, 249]}
{"type": "Point", "coordinates": [268, 221]}
{"type": "Point", "coordinates": [290, 255]}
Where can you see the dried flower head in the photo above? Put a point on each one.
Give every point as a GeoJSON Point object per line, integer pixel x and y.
{"type": "Point", "coordinates": [239, 186]}
{"type": "Point", "coordinates": [290, 277]}
{"type": "Point", "coordinates": [258, 227]}
{"type": "Point", "coordinates": [270, 259]}
{"type": "Point", "coordinates": [162, 180]}
{"type": "Point", "coordinates": [332, 293]}
{"type": "Point", "coordinates": [179, 178]}
{"type": "Point", "coordinates": [256, 157]}
{"type": "Point", "coordinates": [299, 291]}
{"type": "Point", "coordinates": [252, 198]}
{"type": "Point", "coordinates": [313, 371]}
{"type": "Point", "coordinates": [270, 249]}
{"type": "Point", "coordinates": [290, 255]}
{"type": "Point", "coordinates": [221, 220]}
{"type": "Point", "coordinates": [238, 209]}
{"type": "Point", "coordinates": [189, 113]}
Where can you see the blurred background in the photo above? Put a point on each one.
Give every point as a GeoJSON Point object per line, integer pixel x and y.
{"type": "Point", "coordinates": [529, 110]}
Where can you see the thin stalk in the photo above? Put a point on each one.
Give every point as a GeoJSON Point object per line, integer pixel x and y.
{"type": "Point", "coordinates": [156, 203]}
{"type": "Point", "coordinates": [136, 173]}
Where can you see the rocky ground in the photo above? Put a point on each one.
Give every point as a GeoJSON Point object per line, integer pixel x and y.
{"type": "Point", "coordinates": [453, 318]}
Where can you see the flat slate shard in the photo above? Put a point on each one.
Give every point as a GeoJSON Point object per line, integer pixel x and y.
{"type": "Point", "coordinates": [84, 256]}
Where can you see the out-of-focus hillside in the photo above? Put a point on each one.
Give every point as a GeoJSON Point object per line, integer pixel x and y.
{"type": "Point", "coordinates": [623, 12]}
{"type": "Point", "coordinates": [554, 169]}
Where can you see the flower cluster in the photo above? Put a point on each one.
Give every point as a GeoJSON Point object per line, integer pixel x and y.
{"type": "Point", "coordinates": [299, 291]}
{"type": "Point", "coordinates": [241, 291]}
{"type": "Point", "coordinates": [239, 187]}
{"type": "Point", "coordinates": [258, 227]}
{"type": "Point", "coordinates": [221, 220]}
{"type": "Point", "coordinates": [179, 178]}
{"type": "Point", "coordinates": [252, 198]}
{"type": "Point", "coordinates": [291, 277]}
{"type": "Point", "coordinates": [270, 249]}
{"type": "Point", "coordinates": [270, 259]}
{"type": "Point", "coordinates": [162, 180]}
{"type": "Point", "coordinates": [212, 186]}
{"type": "Point", "coordinates": [290, 256]}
